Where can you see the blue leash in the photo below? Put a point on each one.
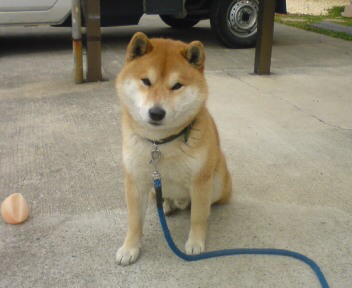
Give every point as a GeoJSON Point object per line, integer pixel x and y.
{"type": "Point", "coordinates": [229, 252]}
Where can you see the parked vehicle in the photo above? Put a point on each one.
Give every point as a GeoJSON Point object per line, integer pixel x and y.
{"type": "Point", "coordinates": [234, 22]}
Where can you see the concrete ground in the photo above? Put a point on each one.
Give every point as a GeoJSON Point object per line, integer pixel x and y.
{"type": "Point", "coordinates": [287, 138]}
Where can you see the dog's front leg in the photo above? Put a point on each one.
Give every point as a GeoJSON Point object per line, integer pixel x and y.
{"type": "Point", "coordinates": [137, 200]}
{"type": "Point", "coordinates": [200, 210]}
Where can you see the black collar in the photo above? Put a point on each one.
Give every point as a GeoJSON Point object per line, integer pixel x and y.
{"type": "Point", "coordinates": [186, 131]}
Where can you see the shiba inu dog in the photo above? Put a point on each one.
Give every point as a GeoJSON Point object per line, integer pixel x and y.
{"type": "Point", "coordinates": [163, 93]}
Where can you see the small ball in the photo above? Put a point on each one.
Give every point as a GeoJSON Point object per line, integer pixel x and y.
{"type": "Point", "coordinates": [14, 209]}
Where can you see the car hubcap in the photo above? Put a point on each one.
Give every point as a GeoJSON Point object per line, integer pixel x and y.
{"type": "Point", "coordinates": [242, 17]}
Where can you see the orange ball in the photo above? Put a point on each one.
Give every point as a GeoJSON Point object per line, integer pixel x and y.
{"type": "Point", "coordinates": [14, 209]}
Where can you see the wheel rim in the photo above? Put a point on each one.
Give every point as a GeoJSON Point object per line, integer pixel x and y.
{"type": "Point", "coordinates": [242, 17]}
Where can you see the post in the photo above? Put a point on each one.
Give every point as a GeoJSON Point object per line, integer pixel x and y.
{"type": "Point", "coordinates": [92, 8]}
{"type": "Point", "coordinates": [77, 41]}
{"type": "Point", "coordinates": [265, 37]}
{"type": "Point", "coordinates": [348, 10]}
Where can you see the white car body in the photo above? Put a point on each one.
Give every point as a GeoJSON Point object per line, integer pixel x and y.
{"type": "Point", "coordinates": [34, 12]}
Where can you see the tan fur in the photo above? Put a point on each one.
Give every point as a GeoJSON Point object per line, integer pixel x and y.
{"type": "Point", "coordinates": [195, 171]}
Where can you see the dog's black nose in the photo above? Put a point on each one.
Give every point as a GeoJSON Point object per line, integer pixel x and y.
{"type": "Point", "coordinates": [156, 113]}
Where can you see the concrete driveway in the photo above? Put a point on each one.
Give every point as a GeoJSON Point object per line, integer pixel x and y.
{"type": "Point", "coordinates": [287, 138]}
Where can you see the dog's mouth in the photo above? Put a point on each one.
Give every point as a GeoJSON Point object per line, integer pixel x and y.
{"type": "Point", "coordinates": [155, 123]}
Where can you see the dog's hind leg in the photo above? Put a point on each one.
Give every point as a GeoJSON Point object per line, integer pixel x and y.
{"type": "Point", "coordinates": [222, 184]}
{"type": "Point", "coordinates": [168, 206]}
{"type": "Point", "coordinates": [182, 203]}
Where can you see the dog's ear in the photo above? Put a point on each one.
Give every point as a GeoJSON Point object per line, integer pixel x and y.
{"type": "Point", "coordinates": [138, 46]}
{"type": "Point", "coordinates": [195, 54]}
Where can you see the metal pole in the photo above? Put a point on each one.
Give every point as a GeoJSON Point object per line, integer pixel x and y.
{"type": "Point", "coordinates": [93, 40]}
{"type": "Point", "coordinates": [77, 41]}
{"type": "Point", "coordinates": [265, 37]}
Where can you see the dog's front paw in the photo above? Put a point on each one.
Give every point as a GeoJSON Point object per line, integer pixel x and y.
{"type": "Point", "coordinates": [125, 256]}
{"type": "Point", "coordinates": [194, 247]}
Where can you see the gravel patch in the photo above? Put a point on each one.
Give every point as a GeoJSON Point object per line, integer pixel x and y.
{"type": "Point", "coordinates": [313, 7]}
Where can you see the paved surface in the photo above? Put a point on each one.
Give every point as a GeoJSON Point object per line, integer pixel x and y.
{"type": "Point", "coordinates": [333, 27]}
{"type": "Point", "coordinates": [287, 138]}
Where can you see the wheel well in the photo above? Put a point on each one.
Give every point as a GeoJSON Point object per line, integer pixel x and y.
{"type": "Point", "coordinates": [279, 8]}
{"type": "Point", "coordinates": [198, 4]}
{"type": "Point", "coordinates": [199, 9]}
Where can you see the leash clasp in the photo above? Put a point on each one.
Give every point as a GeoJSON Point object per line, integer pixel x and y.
{"type": "Point", "coordinates": [156, 155]}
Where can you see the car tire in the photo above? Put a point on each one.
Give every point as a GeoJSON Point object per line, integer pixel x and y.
{"type": "Point", "coordinates": [234, 22]}
{"type": "Point", "coordinates": [178, 23]}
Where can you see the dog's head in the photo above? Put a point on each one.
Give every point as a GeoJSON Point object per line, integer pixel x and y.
{"type": "Point", "coordinates": [162, 86]}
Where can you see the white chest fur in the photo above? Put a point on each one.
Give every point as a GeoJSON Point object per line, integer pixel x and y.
{"type": "Point", "coordinates": [178, 165]}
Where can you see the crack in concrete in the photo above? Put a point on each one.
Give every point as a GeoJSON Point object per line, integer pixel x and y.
{"type": "Point", "coordinates": [313, 116]}
{"type": "Point", "coordinates": [296, 107]}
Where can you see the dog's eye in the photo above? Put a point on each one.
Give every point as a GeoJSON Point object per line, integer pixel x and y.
{"type": "Point", "coordinates": [146, 82]}
{"type": "Point", "coordinates": [177, 86]}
